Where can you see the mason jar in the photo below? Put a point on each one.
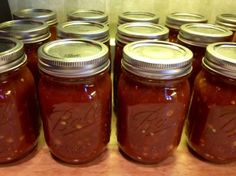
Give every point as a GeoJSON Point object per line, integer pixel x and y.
{"type": "Point", "coordinates": [136, 16]}
{"type": "Point", "coordinates": [130, 32]}
{"type": "Point", "coordinates": [196, 36]}
{"type": "Point", "coordinates": [229, 21]}
{"type": "Point", "coordinates": [153, 99]}
{"type": "Point", "coordinates": [88, 16]}
{"type": "Point", "coordinates": [19, 122]}
{"type": "Point", "coordinates": [211, 125]}
{"type": "Point", "coordinates": [44, 15]}
{"type": "Point", "coordinates": [176, 19]}
{"type": "Point", "coordinates": [33, 34]}
{"type": "Point", "coordinates": [75, 98]}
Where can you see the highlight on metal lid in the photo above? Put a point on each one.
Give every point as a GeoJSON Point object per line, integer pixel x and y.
{"type": "Point", "coordinates": [202, 34]}
{"type": "Point", "coordinates": [137, 16]}
{"type": "Point", "coordinates": [157, 59]}
{"type": "Point", "coordinates": [12, 54]}
{"type": "Point", "coordinates": [73, 58]}
{"type": "Point", "coordinates": [176, 19]}
{"type": "Point", "coordinates": [28, 31]}
{"type": "Point", "coordinates": [88, 15]}
{"type": "Point", "coordinates": [227, 20]}
{"type": "Point", "coordinates": [135, 31]}
{"type": "Point", "coordinates": [221, 58]}
{"type": "Point", "coordinates": [44, 15]}
{"type": "Point", "coordinates": [83, 30]}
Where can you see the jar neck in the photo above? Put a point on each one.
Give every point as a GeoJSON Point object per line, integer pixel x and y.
{"type": "Point", "coordinates": [149, 81]}
{"type": "Point", "coordinates": [86, 80]}
{"type": "Point", "coordinates": [216, 77]}
{"type": "Point", "coordinates": [12, 73]}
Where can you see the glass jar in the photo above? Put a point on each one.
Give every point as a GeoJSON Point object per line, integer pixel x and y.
{"type": "Point", "coordinates": [196, 36]}
{"type": "Point", "coordinates": [153, 98]}
{"type": "Point", "coordinates": [44, 15]}
{"type": "Point", "coordinates": [211, 125]}
{"type": "Point", "coordinates": [130, 32]}
{"type": "Point", "coordinates": [19, 122]}
{"type": "Point", "coordinates": [33, 34]}
{"type": "Point", "coordinates": [175, 20]}
{"type": "Point", "coordinates": [88, 16]}
{"type": "Point", "coordinates": [75, 98]}
{"type": "Point", "coordinates": [229, 21]}
{"type": "Point", "coordinates": [128, 17]}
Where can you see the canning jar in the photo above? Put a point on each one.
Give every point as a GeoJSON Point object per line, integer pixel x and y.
{"type": "Point", "coordinates": [19, 122]}
{"type": "Point", "coordinates": [229, 21]}
{"type": "Point", "coordinates": [176, 19]}
{"type": "Point", "coordinates": [136, 16]}
{"type": "Point", "coordinates": [75, 98]}
{"type": "Point", "coordinates": [44, 15]}
{"type": "Point", "coordinates": [33, 34]}
{"type": "Point", "coordinates": [130, 32]}
{"type": "Point", "coordinates": [211, 125]}
{"type": "Point", "coordinates": [153, 98]}
{"type": "Point", "coordinates": [196, 36]}
{"type": "Point", "coordinates": [88, 16]}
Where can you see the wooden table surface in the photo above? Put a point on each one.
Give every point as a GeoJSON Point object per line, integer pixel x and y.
{"type": "Point", "coordinates": [112, 163]}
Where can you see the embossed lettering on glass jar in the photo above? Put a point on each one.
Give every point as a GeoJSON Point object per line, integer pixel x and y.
{"type": "Point", "coordinates": [196, 36]}
{"type": "Point", "coordinates": [33, 34]}
{"type": "Point", "coordinates": [128, 17]}
{"type": "Point", "coordinates": [44, 15]}
{"type": "Point", "coordinates": [153, 98]}
{"type": "Point", "coordinates": [175, 20]}
{"type": "Point", "coordinates": [75, 98]}
{"type": "Point", "coordinates": [229, 21]}
{"type": "Point", "coordinates": [88, 16]}
{"type": "Point", "coordinates": [211, 125]}
{"type": "Point", "coordinates": [19, 119]}
{"type": "Point", "coordinates": [131, 32]}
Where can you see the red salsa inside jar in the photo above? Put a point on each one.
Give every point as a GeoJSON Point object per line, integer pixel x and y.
{"type": "Point", "coordinates": [19, 122]}
{"type": "Point", "coordinates": [152, 105]}
{"type": "Point", "coordinates": [212, 122]}
{"type": "Point", "coordinates": [75, 102]}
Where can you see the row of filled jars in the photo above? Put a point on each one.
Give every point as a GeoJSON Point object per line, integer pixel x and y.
{"type": "Point", "coordinates": [74, 91]}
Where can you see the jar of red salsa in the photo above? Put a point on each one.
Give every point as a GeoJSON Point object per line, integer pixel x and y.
{"type": "Point", "coordinates": [175, 20]}
{"type": "Point", "coordinates": [211, 125]}
{"type": "Point", "coordinates": [229, 21]}
{"type": "Point", "coordinates": [130, 32]}
{"type": "Point", "coordinates": [153, 98]}
{"type": "Point", "coordinates": [33, 34]}
{"type": "Point", "coordinates": [19, 120]}
{"type": "Point", "coordinates": [135, 16]}
{"type": "Point", "coordinates": [44, 15]}
{"type": "Point", "coordinates": [196, 36]}
{"type": "Point", "coordinates": [88, 16]}
{"type": "Point", "coordinates": [75, 98]}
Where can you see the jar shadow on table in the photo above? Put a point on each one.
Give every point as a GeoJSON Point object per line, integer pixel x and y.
{"type": "Point", "coordinates": [168, 161]}
{"type": "Point", "coordinates": [101, 158]}
{"type": "Point", "coordinates": [30, 155]}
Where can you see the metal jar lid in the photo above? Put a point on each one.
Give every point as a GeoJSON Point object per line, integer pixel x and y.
{"type": "Point", "coordinates": [72, 58]}
{"type": "Point", "coordinates": [12, 54]}
{"type": "Point", "coordinates": [88, 15]}
{"type": "Point", "coordinates": [202, 34]}
{"type": "Point", "coordinates": [221, 58]}
{"type": "Point", "coordinates": [83, 30]}
{"type": "Point", "coordinates": [44, 15]}
{"type": "Point", "coordinates": [157, 59]}
{"type": "Point", "coordinates": [175, 20]}
{"type": "Point", "coordinates": [27, 31]}
{"type": "Point", "coordinates": [227, 20]}
{"type": "Point", "coordinates": [130, 32]}
{"type": "Point", "coordinates": [127, 17]}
